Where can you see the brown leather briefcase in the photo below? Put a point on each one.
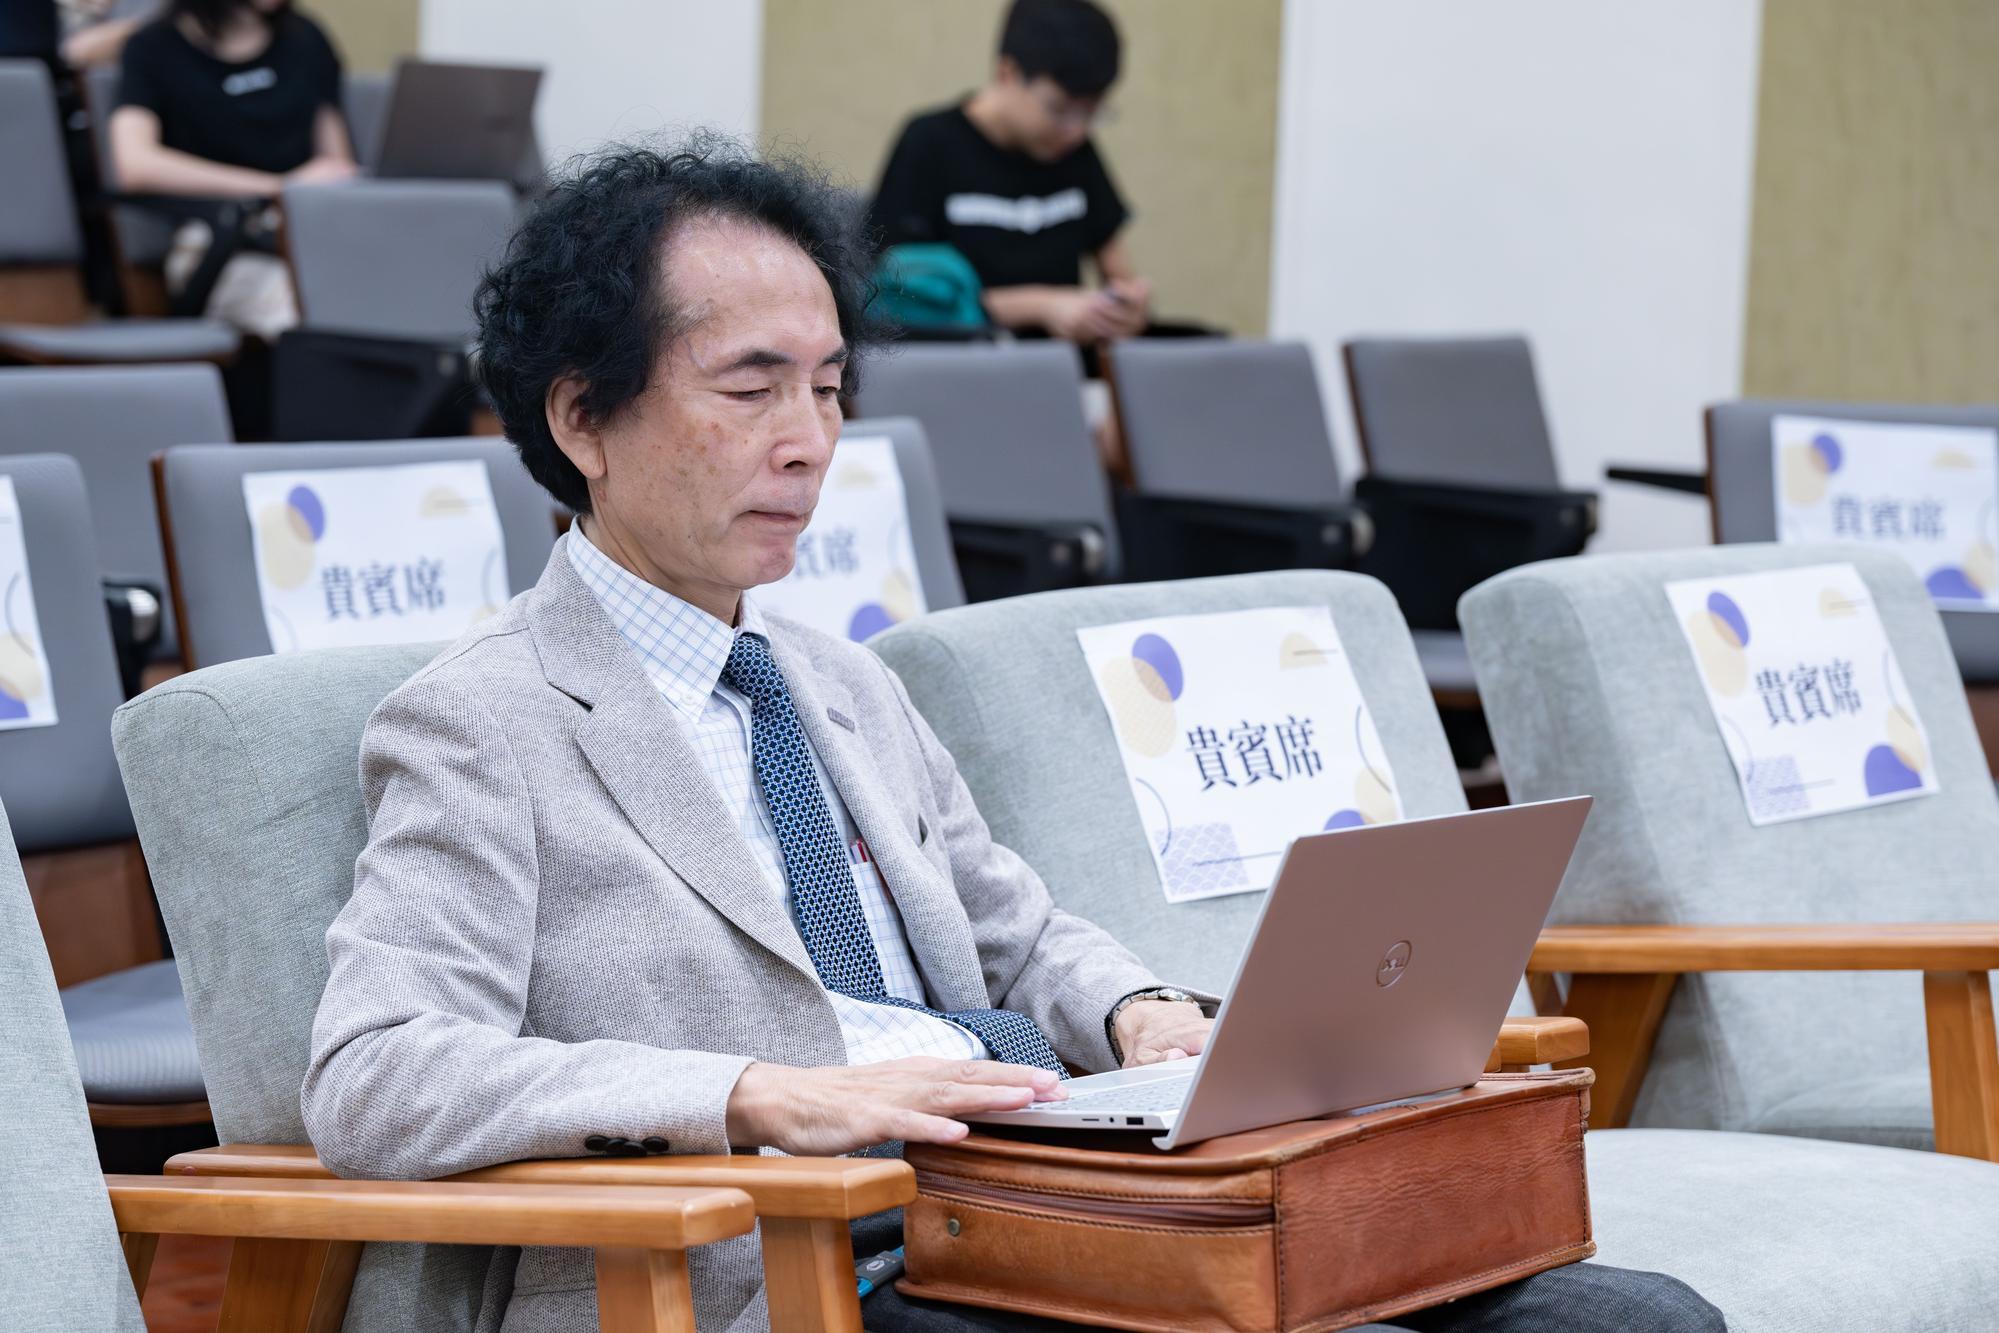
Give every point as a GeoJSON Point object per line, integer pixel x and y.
{"type": "Point", "coordinates": [1319, 1224]}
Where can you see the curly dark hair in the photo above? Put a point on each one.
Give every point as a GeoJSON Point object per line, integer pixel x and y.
{"type": "Point", "coordinates": [579, 291]}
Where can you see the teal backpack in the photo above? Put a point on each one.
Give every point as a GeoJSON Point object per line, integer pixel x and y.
{"type": "Point", "coordinates": [928, 286]}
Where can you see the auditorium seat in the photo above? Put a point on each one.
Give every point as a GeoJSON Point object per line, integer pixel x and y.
{"type": "Point", "coordinates": [71, 823]}
{"type": "Point", "coordinates": [1590, 686]}
{"type": "Point", "coordinates": [242, 780]}
{"type": "Point", "coordinates": [80, 1245]}
{"type": "Point", "coordinates": [44, 316]}
{"type": "Point", "coordinates": [385, 272]}
{"type": "Point", "coordinates": [1785, 1235]}
{"type": "Point", "coordinates": [111, 420]}
{"type": "Point", "coordinates": [1027, 500]}
{"type": "Point", "coordinates": [211, 559]}
{"type": "Point", "coordinates": [1232, 465]}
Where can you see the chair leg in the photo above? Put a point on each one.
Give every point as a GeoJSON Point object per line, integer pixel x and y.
{"type": "Point", "coordinates": [1623, 1011]}
{"type": "Point", "coordinates": [139, 1249]}
{"type": "Point", "coordinates": [644, 1291]}
{"type": "Point", "coordinates": [1964, 1063]}
{"type": "Point", "coordinates": [288, 1286]}
{"type": "Point", "coordinates": [809, 1275]}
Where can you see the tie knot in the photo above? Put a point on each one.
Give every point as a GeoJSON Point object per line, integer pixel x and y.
{"type": "Point", "coordinates": [753, 670]}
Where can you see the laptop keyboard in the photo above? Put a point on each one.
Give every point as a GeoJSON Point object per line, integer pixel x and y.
{"type": "Point", "coordinates": [1165, 1094]}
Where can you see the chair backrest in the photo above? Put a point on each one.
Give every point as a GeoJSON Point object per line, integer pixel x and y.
{"type": "Point", "coordinates": [61, 781]}
{"type": "Point", "coordinates": [251, 817]}
{"type": "Point", "coordinates": [1589, 686]}
{"type": "Point", "coordinates": [1006, 429]}
{"type": "Point", "coordinates": [38, 222]}
{"type": "Point", "coordinates": [215, 572]}
{"type": "Point", "coordinates": [112, 420]}
{"type": "Point", "coordinates": [64, 1268]}
{"type": "Point", "coordinates": [364, 100]}
{"type": "Point", "coordinates": [1005, 687]}
{"type": "Point", "coordinates": [1225, 419]}
{"type": "Point", "coordinates": [1743, 495]}
{"type": "Point", "coordinates": [395, 259]}
{"type": "Point", "coordinates": [1453, 411]}
{"type": "Point", "coordinates": [143, 238]}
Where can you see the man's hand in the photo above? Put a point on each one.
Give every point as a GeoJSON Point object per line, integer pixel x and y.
{"type": "Point", "coordinates": [321, 171]}
{"type": "Point", "coordinates": [839, 1108]}
{"type": "Point", "coordinates": [1149, 1031]}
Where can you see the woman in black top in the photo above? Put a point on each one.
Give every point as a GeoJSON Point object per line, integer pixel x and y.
{"type": "Point", "coordinates": [230, 99]}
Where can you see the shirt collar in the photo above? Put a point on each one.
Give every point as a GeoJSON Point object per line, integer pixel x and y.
{"type": "Point", "coordinates": [682, 648]}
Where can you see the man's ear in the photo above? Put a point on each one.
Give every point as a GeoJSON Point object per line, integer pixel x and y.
{"type": "Point", "coordinates": [1006, 72]}
{"type": "Point", "coordinates": [575, 429]}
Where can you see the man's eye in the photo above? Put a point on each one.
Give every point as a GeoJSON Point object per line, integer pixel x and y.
{"type": "Point", "coordinates": [826, 390]}
{"type": "Point", "coordinates": [747, 395]}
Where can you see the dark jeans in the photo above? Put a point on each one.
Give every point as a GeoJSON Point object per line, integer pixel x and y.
{"type": "Point", "coordinates": [1581, 1298]}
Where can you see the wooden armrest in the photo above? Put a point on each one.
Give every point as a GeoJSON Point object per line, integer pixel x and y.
{"type": "Point", "coordinates": [1903, 947]}
{"type": "Point", "coordinates": [1539, 1041]}
{"type": "Point", "coordinates": [831, 1188]}
{"type": "Point", "coordinates": [654, 1217]}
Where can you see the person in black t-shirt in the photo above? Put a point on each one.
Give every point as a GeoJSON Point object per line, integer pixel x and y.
{"type": "Point", "coordinates": [1010, 178]}
{"type": "Point", "coordinates": [230, 99]}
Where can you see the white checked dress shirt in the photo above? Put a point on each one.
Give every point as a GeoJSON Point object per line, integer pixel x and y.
{"type": "Point", "coordinates": [683, 650]}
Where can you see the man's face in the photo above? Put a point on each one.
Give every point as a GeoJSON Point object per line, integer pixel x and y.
{"type": "Point", "coordinates": [1049, 122]}
{"type": "Point", "coordinates": [711, 474]}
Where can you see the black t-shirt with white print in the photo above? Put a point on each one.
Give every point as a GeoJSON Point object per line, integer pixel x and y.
{"type": "Point", "coordinates": [255, 113]}
{"type": "Point", "coordinates": [1018, 220]}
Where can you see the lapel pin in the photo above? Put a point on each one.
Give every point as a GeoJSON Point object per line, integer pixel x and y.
{"type": "Point", "coordinates": [839, 718]}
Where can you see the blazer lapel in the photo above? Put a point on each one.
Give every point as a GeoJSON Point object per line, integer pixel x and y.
{"type": "Point", "coordinates": [932, 916]}
{"type": "Point", "coordinates": [638, 750]}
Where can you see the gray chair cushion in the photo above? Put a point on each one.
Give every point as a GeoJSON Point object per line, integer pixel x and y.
{"type": "Point", "coordinates": [62, 1268]}
{"type": "Point", "coordinates": [249, 876]}
{"type": "Point", "coordinates": [112, 420]}
{"type": "Point", "coordinates": [60, 783]}
{"type": "Point", "coordinates": [37, 209]}
{"type": "Point", "coordinates": [133, 341]}
{"type": "Point", "coordinates": [1790, 1235]}
{"type": "Point", "coordinates": [1743, 491]}
{"type": "Point", "coordinates": [395, 259]}
{"type": "Point", "coordinates": [1223, 419]}
{"type": "Point", "coordinates": [1588, 686]}
{"type": "Point", "coordinates": [214, 556]}
{"type": "Point", "coordinates": [1005, 687]}
{"type": "Point", "coordinates": [1006, 429]}
{"type": "Point", "coordinates": [132, 1036]}
{"type": "Point", "coordinates": [1457, 411]}
{"type": "Point", "coordinates": [1446, 663]}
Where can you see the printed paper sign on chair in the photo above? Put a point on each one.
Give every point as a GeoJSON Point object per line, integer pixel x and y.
{"type": "Point", "coordinates": [349, 556]}
{"type": "Point", "coordinates": [1928, 493]}
{"type": "Point", "coordinates": [1239, 731]}
{"type": "Point", "coordinates": [1805, 689]}
{"type": "Point", "coordinates": [27, 695]}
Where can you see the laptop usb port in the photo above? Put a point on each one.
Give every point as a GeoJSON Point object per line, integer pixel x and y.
{"type": "Point", "coordinates": [1134, 1120]}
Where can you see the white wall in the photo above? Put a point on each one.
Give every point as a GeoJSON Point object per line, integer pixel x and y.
{"type": "Point", "coordinates": [615, 68]}
{"type": "Point", "coordinates": [1574, 170]}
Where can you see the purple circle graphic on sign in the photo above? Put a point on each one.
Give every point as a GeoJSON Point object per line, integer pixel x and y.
{"type": "Point", "coordinates": [1158, 654]}
{"type": "Point", "coordinates": [307, 504]}
{"type": "Point", "coordinates": [1885, 772]}
{"type": "Point", "coordinates": [1723, 608]}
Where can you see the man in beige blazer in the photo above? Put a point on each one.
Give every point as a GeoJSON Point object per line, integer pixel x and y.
{"type": "Point", "coordinates": [649, 870]}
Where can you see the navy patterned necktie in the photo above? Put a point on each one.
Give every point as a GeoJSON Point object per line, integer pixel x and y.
{"type": "Point", "coordinates": [823, 897]}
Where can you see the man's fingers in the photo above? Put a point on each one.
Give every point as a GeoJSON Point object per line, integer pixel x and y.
{"type": "Point", "coordinates": [996, 1072]}
{"type": "Point", "coordinates": [962, 1098]}
{"type": "Point", "coordinates": [916, 1127]}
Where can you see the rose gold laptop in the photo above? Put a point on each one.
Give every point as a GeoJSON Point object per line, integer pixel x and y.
{"type": "Point", "coordinates": [1380, 970]}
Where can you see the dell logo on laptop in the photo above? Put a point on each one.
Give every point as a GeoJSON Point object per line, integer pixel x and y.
{"type": "Point", "coordinates": [1393, 964]}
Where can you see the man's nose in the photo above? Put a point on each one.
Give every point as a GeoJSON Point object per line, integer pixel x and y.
{"type": "Point", "coordinates": [804, 433]}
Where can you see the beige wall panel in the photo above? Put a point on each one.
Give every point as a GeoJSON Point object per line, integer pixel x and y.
{"type": "Point", "coordinates": [1192, 147]}
{"type": "Point", "coordinates": [371, 34]}
{"type": "Point", "coordinates": [1874, 249]}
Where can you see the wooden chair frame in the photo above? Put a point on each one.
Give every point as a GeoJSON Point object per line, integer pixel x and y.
{"type": "Point", "coordinates": [1621, 978]}
{"type": "Point", "coordinates": [298, 1241]}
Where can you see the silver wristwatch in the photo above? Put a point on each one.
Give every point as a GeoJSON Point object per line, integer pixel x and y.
{"type": "Point", "coordinates": [1171, 994]}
